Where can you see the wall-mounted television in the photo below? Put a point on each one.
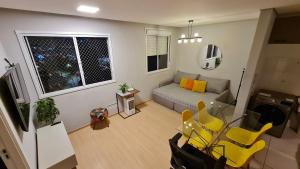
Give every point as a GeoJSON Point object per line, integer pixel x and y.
{"type": "Point", "coordinates": [15, 97]}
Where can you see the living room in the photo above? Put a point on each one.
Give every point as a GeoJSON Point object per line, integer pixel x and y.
{"type": "Point", "coordinates": [97, 55]}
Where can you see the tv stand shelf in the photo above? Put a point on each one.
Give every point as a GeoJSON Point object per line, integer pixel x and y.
{"type": "Point", "coordinates": [54, 148]}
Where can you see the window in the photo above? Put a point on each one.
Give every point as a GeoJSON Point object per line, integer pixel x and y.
{"type": "Point", "coordinates": [157, 50]}
{"type": "Point", "coordinates": [65, 63]}
{"type": "Point", "coordinates": [212, 51]}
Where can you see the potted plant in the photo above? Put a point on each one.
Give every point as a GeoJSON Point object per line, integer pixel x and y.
{"type": "Point", "coordinates": [124, 88]}
{"type": "Point", "coordinates": [46, 111]}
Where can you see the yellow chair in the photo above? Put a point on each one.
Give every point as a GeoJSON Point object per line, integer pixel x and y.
{"type": "Point", "coordinates": [237, 157]}
{"type": "Point", "coordinates": [210, 122]}
{"type": "Point", "coordinates": [193, 132]}
{"type": "Point", "coordinates": [246, 137]}
{"type": "Point", "coordinates": [186, 115]}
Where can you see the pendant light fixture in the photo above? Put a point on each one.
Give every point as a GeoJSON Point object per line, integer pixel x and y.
{"type": "Point", "coordinates": [190, 37]}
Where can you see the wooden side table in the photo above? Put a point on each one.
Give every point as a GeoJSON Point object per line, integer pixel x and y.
{"type": "Point", "coordinates": [127, 95]}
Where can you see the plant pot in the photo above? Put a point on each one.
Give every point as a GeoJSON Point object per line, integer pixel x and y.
{"type": "Point", "coordinates": [41, 124]}
{"type": "Point", "coordinates": [123, 90]}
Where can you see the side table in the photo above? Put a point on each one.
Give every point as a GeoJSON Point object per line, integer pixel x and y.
{"type": "Point", "coordinates": [127, 95]}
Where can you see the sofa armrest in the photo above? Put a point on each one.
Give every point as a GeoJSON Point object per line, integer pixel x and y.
{"type": "Point", "coordinates": [164, 83]}
{"type": "Point", "coordinates": [224, 96]}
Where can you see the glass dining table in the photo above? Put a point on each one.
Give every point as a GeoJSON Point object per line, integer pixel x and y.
{"type": "Point", "coordinates": [200, 137]}
{"type": "Point", "coordinates": [196, 134]}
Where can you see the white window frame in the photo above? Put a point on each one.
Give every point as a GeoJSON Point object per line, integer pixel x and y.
{"type": "Point", "coordinates": [158, 32]}
{"type": "Point", "coordinates": [31, 64]}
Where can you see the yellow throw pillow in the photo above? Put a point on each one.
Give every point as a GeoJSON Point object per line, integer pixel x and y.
{"type": "Point", "coordinates": [183, 82]}
{"type": "Point", "coordinates": [199, 86]}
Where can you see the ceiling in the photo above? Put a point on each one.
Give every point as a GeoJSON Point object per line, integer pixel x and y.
{"type": "Point", "coordinates": [160, 12]}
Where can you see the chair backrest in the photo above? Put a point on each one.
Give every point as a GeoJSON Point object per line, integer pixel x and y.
{"type": "Point", "coordinates": [265, 128]}
{"type": "Point", "coordinates": [202, 111]}
{"type": "Point", "coordinates": [257, 146]}
{"type": "Point", "coordinates": [186, 115]}
{"type": "Point", "coordinates": [248, 153]}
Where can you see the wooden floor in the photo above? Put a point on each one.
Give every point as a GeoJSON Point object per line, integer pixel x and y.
{"type": "Point", "coordinates": [138, 142]}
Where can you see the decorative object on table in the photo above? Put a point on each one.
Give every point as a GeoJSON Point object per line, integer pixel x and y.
{"type": "Point", "coordinates": [130, 89]}
{"type": "Point", "coordinates": [128, 103]}
{"type": "Point", "coordinates": [46, 111]}
{"type": "Point", "coordinates": [211, 57]}
{"type": "Point", "coordinates": [99, 118]}
{"type": "Point", "coordinates": [124, 88]}
{"type": "Point", "coordinates": [190, 37]}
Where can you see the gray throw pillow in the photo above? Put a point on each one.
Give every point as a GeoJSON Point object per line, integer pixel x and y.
{"type": "Point", "coordinates": [215, 85]}
{"type": "Point", "coordinates": [180, 75]}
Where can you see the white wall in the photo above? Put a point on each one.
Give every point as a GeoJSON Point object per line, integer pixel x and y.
{"type": "Point", "coordinates": [234, 40]}
{"type": "Point", "coordinates": [25, 140]}
{"type": "Point", "coordinates": [281, 70]}
{"type": "Point", "coordinates": [128, 50]}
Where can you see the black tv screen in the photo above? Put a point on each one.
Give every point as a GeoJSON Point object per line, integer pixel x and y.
{"type": "Point", "coordinates": [14, 95]}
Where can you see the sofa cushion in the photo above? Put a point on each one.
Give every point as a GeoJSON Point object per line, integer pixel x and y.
{"type": "Point", "coordinates": [189, 85]}
{"type": "Point", "coordinates": [199, 86]}
{"type": "Point", "coordinates": [215, 85]}
{"type": "Point", "coordinates": [180, 75]}
{"type": "Point", "coordinates": [185, 97]}
{"type": "Point", "coordinates": [183, 82]}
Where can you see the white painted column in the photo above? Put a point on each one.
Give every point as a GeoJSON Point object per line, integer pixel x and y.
{"type": "Point", "coordinates": [2, 62]}
{"type": "Point", "coordinates": [260, 41]}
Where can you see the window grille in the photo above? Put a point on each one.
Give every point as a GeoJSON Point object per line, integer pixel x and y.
{"type": "Point", "coordinates": [94, 55]}
{"type": "Point", "coordinates": [63, 63]}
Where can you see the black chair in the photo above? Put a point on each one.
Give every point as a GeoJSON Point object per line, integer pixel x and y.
{"type": "Point", "coordinates": [188, 157]}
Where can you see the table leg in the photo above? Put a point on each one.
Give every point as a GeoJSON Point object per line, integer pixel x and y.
{"type": "Point", "coordinates": [117, 103]}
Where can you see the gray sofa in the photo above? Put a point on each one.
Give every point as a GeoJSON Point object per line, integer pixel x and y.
{"type": "Point", "coordinates": [171, 95]}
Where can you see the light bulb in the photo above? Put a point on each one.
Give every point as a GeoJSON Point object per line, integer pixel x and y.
{"type": "Point", "coordinates": [182, 35]}
{"type": "Point", "coordinates": [196, 34]}
{"type": "Point", "coordinates": [179, 41]}
{"type": "Point", "coordinates": [192, 40]}
{"type": "Point", "coordinates": [185, 41]}
{"type": "Point", "coordinates": [199, 40]}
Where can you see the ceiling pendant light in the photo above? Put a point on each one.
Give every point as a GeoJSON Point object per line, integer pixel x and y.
{"type": "Point", "coordinates": [190, 37]}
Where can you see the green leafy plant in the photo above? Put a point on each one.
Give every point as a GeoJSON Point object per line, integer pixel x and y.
{"type": "Point", "coordinates": [46, 111]}
{"type": "Point", "coordinates": [124, 88]}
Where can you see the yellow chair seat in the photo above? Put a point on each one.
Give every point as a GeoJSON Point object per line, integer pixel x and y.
{"type": "Point", "coordinates": [237, 156]}
{"type": "Point", "coordinates": [241, 136]}
{"type": "Point", "coordinates": [213, 124]}
{"type": "Point", "coordinates": [244, 136]}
